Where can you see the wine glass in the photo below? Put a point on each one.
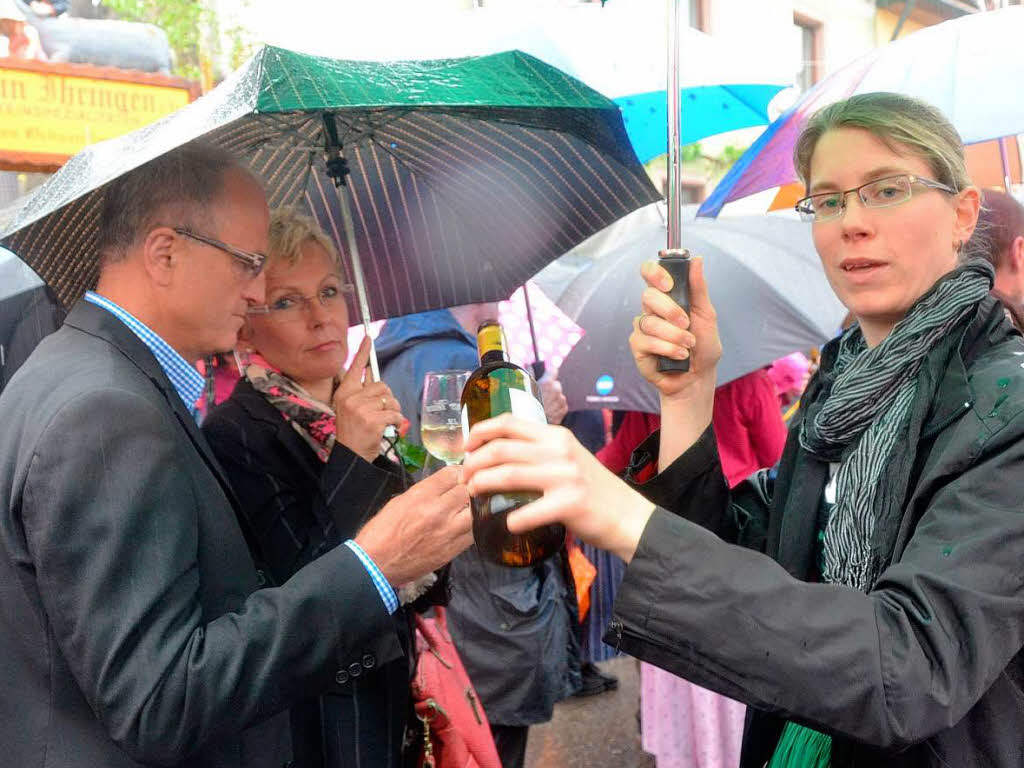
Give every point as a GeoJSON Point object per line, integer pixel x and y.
{"type": "Point", "coordinates": [441, 415]}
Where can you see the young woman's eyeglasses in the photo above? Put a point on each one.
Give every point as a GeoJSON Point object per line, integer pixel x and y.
{"type": "Point", "coordinates": [253, 262]}
{"type": "Point", "coordinates": [293, 306]}
{"type": "Point", "coordinates": [881, 193]}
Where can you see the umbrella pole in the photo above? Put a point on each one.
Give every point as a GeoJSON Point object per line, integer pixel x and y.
{"type": "Point", "coordinates": [674, 153]}
{"type": "Point", "coordinates": [337, 169]}
{"type": "Point", "coordinates": [674, 258]}
{"type": "Point", "coordinates": [357, 273]}
{"type": "Point", "coordinates": [538, 364]}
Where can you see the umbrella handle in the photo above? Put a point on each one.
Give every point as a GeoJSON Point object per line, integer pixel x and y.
{"type": "Point", "coordinates": [676, 262]}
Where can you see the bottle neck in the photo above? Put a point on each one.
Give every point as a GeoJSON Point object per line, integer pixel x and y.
{"type": "Point", "coordinates": [490, 343]}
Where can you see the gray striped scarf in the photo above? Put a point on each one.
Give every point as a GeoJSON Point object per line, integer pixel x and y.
{"type": "Point", "coordinates": [865, 414]}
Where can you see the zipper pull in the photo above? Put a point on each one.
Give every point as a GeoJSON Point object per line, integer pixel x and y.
{"type": "Point", "coordinates": [472, 702]}
{"type": "Point", "coordinates": [616, 629]}
{"type": "Point", "coordinates": [428, 747]}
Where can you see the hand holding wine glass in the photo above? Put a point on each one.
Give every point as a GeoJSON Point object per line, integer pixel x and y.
{"type": "Point", "coordinates": [441, 415]}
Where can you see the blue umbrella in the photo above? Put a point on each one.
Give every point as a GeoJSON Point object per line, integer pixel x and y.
{"type": "Point", "coordinates": [706, 110]}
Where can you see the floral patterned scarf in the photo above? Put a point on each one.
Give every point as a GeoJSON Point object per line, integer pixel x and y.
{"type": "Point", "coordinates": [312, 419]}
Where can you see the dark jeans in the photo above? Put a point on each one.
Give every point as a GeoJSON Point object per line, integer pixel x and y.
{"type": "Point", "coordinates": [511, 743]}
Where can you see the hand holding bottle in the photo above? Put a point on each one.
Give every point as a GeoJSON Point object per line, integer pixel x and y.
{"type": "Point", "coordinates": [498, 387]}
{"type": "Point", "coordinates": [568, 485]}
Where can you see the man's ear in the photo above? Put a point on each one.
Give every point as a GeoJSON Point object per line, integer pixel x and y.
{"type": "Point", "coordinates": [1015, 256]}
{"type": "Point", "coordinates": [160, 255]}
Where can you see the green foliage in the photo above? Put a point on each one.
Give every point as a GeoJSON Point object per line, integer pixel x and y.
{"type": "Point", "coordinates": [413, 456]}
{"type": "Point", "coordinates": [182, 20]}
{"type": "Point", "coordinates": [690, 153]}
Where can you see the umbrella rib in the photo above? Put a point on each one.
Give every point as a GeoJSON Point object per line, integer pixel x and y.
{"type": "Point", "coordinates": [592, 221]}
{"type": "Point", "coordinates": [408, 217]}
{"type": "Point", "coordinates": [329, 212]}
{"type": "Point", "coordinates": [358, 161]}
{"type": "Point", "coordinates": [484, 189]}
{"type": "Point", "coordinates": [568, 79]}
{"type": "Point", "coordinates": [750, 107]}
{"type": "Point", "coordinates": [391, 212]}
{"type": "Point", "coordinates": [435, 141]}
{"type": "Point", "coordinates": [500, 161]}
{"type": "Point", "coordinates": [426, 227]}
{"type": "Point", "coordinates": [440, 223]}
{"type": "Point", "coordinates": [547, 163]}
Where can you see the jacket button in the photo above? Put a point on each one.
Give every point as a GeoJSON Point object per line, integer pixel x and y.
{"type": "Point", "coordinates": [342, 677]}
{"type": "Point", "coordinates": [369, 661]}
{"type": "Point", "coordinates": [354, 669]}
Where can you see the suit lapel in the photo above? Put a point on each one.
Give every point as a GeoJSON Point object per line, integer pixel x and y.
{"type": "Point", "coordinates": [98, 322]}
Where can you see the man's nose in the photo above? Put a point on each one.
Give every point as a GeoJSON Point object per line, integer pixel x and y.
{"type": "Point", "coordinates": [255, 290]}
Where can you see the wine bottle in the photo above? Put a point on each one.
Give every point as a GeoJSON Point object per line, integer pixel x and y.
{"type": "Point", "coordinates": [496, 387]}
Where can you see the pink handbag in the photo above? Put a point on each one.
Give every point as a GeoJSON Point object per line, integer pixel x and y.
{"type": "Point", "coordinates": [456, 733]}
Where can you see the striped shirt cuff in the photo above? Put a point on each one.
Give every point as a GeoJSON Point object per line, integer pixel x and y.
{"type": "Point", "coordinates": [387, 594]}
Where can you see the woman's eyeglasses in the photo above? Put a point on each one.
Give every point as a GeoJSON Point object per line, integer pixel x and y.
{"type": "Point", "coordinates": [881, 193]}
{"type": "Point", "coordinates": [294, 306]}
{"type": "Point", "coordinates": [253, 262]}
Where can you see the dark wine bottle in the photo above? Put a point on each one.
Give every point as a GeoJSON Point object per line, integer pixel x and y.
{"type": "Point", "coordinates": [496, 387]}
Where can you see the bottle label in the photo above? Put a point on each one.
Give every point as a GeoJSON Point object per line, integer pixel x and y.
{"type": "Point", "coordinates": [526, 407]}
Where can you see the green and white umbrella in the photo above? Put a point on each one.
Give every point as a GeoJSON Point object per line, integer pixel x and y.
{"type": "Point", "coordinates": [461, 177]}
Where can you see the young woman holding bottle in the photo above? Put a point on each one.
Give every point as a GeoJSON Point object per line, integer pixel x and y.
{"type": "Point", "coordinates": [866, 597]}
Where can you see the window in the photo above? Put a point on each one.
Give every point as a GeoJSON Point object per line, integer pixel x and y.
{"type": "Point", "coordinates": [808, 34]}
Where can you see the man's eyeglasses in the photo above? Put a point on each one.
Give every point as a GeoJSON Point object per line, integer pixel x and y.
{"type": "Point", "coordinates": [253, 262]}
{"type": "Point", "coordinates": [293, 306]}
{"type": "Point", "coordinates": [882, 193]}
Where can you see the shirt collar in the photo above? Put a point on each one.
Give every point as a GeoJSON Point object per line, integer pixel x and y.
{"type": "Point", "coordinates": [185, 379]}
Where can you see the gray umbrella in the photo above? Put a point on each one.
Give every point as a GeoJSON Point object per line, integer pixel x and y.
{"type": "Point", "coordinates": [28, 312]}
{"type": "Point", "coordinates": [765, 279]}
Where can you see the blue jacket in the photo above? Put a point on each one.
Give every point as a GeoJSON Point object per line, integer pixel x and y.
{"type": "Point", "coordinates": [410, 346]}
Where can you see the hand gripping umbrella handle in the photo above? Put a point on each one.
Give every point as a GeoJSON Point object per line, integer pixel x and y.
{"type": "Point", "coordinates": [676, 261]}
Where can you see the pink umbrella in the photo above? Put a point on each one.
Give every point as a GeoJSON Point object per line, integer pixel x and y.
{"type": "Point", "coordinates": [556, 333]}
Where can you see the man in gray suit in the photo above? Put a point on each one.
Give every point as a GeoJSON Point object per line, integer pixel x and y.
{"type": "Point", "coordinates": [135, 627]}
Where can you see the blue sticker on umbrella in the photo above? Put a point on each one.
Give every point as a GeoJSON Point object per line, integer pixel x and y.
{"type": "Point", "coordinates": [604, 385]}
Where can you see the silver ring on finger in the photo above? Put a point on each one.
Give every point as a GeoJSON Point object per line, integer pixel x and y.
{"type": "Point", "coordinates": [640, 323]}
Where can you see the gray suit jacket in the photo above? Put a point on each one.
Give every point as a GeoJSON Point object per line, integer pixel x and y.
{"type": "Point", "coordinates": [133, 629]}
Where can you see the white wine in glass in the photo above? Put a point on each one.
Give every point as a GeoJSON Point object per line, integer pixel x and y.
{"type": "Point", "coordinates": [441, 415]}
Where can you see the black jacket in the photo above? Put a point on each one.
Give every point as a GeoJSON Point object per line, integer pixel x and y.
{"type": "Point", "coordinates": [927, 668]}
{"type": "Point", "coordinates": [132, 627]}
{"type": "Point", "coordinates": [300, 507]}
